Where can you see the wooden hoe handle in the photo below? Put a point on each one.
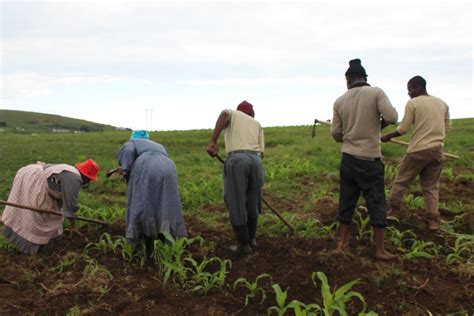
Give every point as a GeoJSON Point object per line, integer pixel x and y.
{"type": "Point", "coordinates": [395, 141]}
{"type": "Point", "coordinates": [278, 214]}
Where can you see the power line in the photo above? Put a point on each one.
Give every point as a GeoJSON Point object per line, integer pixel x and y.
{"type": "Point", "coordinates": [149, 119]}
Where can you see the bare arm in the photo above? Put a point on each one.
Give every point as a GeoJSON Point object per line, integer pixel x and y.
{"type": "Point", "coordinates": [222, 122]}
{"type": "Point", "coordinates": [387, 137]}
{"type": "Point", "coordinates": [261, 142]}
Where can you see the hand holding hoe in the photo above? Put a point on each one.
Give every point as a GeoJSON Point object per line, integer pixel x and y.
{"type": "Point", "coordinates": [395, 141]}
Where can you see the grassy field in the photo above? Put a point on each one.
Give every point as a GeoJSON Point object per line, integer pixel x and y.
{"type": "Point", "coordinates": [434, 272]}
{"type": "Point", "coordinates": [22, 122]}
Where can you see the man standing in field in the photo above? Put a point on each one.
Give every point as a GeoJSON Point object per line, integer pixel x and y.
{"type": "Point", "coordinates": [358, 117]}
{"type": "Point", "coordinates": [243, 172]}
{"type": "Point", "coordinates": [428, 117]}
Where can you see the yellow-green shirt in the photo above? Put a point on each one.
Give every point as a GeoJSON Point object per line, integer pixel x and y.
{"type": "Point", "coordinates": [428, 118]}
{"type": "Point", "coordinates": [243, 133]}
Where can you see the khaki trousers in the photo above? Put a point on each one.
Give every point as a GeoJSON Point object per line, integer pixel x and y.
{"type": "Point", "coordinates": [427, 164]}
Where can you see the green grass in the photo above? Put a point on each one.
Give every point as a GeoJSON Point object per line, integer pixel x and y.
{"type": "Point", "coordinates": [300, 172]}
{"type": "Point", "coordinates": [291, 157]}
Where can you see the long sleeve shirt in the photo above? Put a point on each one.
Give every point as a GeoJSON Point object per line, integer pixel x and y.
{"type": "Point", "coordinates": [356, 120]}
{"type": "Point", "coordinates": [66, 186]}
{"type": "Point", "coordinates": [132, 149]}
{"type": "Point", "coordinates": [428, 118]}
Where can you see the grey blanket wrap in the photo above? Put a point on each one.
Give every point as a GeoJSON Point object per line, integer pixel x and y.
{"type": "Point", "coordinates": [154, 203]}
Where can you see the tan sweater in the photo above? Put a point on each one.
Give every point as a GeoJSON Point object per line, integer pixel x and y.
{"type": "Point", "coordinates": [428, 117]}
{"type": "Point", "coordinates": [356, 120]}
{"type": "Point", "coordinates": [243, 133]}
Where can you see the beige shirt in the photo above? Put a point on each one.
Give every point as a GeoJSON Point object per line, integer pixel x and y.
{"type": "Point", "coordinates": [243, 133]}
{"type": "Point", "coordinates": [428, 117]}
{"type": "Point", "coordinates": [356, 120]}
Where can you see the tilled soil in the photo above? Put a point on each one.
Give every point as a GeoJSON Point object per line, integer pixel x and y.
{"type": "Point", "coordinates": [35, 284]}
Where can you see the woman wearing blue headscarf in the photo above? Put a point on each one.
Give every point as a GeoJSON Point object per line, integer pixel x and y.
{"type": "Point", "coordinates": [154, 204]}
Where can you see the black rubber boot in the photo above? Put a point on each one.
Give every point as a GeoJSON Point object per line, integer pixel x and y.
{"type": "Point", "coordinates": [252, 226]}
{"type": "Point", "coordinates": [242, 235]}
{"type": "Point", "coordinates": [150, 247]}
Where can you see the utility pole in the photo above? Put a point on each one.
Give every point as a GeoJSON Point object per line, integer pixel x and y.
{"type": "Point", "coordinates": [149, 119]}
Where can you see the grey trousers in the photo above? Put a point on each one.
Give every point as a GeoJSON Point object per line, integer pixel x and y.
{"type": "Point", "coordinates": [243, 182]}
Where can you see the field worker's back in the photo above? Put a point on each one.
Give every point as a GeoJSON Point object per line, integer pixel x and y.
{"type": "Point", "coordinates": [243, 133]}
{"type": "Point", "coordinates": [356, 120]}
{"type": "Point", "coordinates": [428, 117]}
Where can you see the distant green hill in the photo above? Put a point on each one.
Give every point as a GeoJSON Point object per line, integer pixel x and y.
{"type": "Point", "coordinates": [32, 122]}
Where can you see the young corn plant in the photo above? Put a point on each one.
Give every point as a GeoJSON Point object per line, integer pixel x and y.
{"type": "Point", "coordinates": [203, 280]}
{"type": "Point", "coordinates": [252, 287]}
{"type": "Point", "coordinates": [462, 250]}
{"type": "Point", "coordinates": [280, 297]}
{"type": "Point", "coordinates": [170, 255]}
{"type": "Point", "coordinates": [390, 172]}
{"type": "Point", "coordinates": [5, 244]}
{"type": "Point", "coordinates": [302, 309]}
{"type": "Point", "coordinates": [93, 268]}
{"type": "Point", "coordinates": [127, 250]}
{"type": "Point", "coordinates": [421, 249]}
{"type": "Point", "coordinates": [105, 244]}
{"type": "Point", "coordinates": [66, 262]}
{"type": "Point", "coordinates": [364, 231]}
{"type": "Point", "coordinates": [336, 300]}
{"type": "Point", "coordinates": [414, 202]}
{"type": "Point", "coordinates": [448, 172]}
{"type": "Point", "coordinates": [450, 227]}
{"type": "Point", "coordinates": [399, 238]}
{"type": "Point", "coordinates": [97, 277]}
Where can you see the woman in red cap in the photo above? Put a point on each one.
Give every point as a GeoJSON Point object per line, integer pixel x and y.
{"type": "Point", "coordinates": [46, 186]}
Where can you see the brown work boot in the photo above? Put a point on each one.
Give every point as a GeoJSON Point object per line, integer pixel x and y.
{"type": "Point", "coordinates": [433, 224]}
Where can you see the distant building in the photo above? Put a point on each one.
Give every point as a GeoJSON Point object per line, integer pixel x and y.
{"type": "Point", "coordinates": [58, 130]}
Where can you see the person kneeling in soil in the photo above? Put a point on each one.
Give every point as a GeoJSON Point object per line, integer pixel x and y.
{"type": "Point", "coordinates": [358, 117]}
{"type": "Point", "coordinates": [53, 187]}
{"type": "Point", "coordinates": [154, 203]}
{"type": "Point", "coordinates": [243, 172]}
{"type": "Point", "coordinates": [424, 155]}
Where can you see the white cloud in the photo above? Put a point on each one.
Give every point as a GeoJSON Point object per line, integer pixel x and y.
{"type": "Point", "coordinates": [197, 57]}
{"type": "Point", "coordinates": [30, 84]}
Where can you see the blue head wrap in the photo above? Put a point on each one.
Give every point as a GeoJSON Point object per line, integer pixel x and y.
{"type": "Point", "coordinates": [139, 134]}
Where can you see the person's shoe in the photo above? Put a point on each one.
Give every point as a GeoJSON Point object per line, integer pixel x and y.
{"type": "Point", "coordinates": [433, 224]}
{"type": "Point", "coordinates": [252, 227]}
{"type": "Point", "coordinates": [242, 236]}
{"type": "Point", "coordinates": [240, 250]}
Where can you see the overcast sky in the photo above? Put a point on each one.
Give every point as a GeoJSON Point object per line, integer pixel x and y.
{"type": "Point", "coordinates": [109, 61]}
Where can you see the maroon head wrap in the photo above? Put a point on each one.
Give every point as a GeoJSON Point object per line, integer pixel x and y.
{"type": "Point", "coordinates": [247, 108]}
